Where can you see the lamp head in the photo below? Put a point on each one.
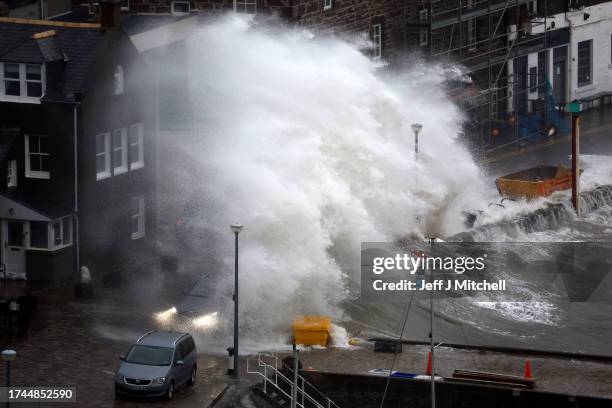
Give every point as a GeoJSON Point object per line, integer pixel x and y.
{"type": "Point", "coordinates": [9, 355]}
{"type": "Point", "coordinates": [416, 128]}
{"type": "Point", "coordinates": [236, 227]}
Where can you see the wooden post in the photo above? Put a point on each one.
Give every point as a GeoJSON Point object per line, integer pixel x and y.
{"type": "Point", "coordinates": [576, 162]}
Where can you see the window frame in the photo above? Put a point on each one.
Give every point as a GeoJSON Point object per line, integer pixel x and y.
{"type": "Point", "coordinates": [139, 215]}
{"type": "Point", "coordinates": [424, 33]}
{"type": "Point", "coordinates": [36, 174]}
{"type": "Point", "coordinates": [328, 4]}
{"type": "Point", "coordinates": [377, 40]}
{"type": "Point", "coordinates": [122, 149]}
{"type": "Point", "coordinates": [580, 66]}
{"type": "Point", "coordinates": [65, 225]}
{"type": "Point", "coordinates": [244, 4]}
{"type": "Point", "coordinates": [101, 175]}
{"type": "Point", "coordinates": [119, 80]}
{"type": "Point", "coordinates": [180, 13]}
{"type": "Point", "coordinates": [140, 162]}
{"type": "Point", "coordinates": [23, 83]}
{"type": "Point", "coordinates": [11, 173]}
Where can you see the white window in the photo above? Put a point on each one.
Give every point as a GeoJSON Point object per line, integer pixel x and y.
{"type": "Point", "coordinates": [11, 173]}
{"type": "Point", "coordinates": [62, 232]}
{"type": "Point", "coordinates": [136, 146]}
{"type": "Point", "coordinates": [327, 4]}
{"type": "Point", "coordinates": [118, 80]}
{"type": "Point", "coordinates": [245, 6]}
{"type": "Point", "coordinates": [50, 235]}
{"type": "Point", "coordinates": [37, 156]}
{"type": "Point", "coordinates": [103, 156]}
{"type": "Point", "coordinates": [21, 82]}
{"type": "Point", "coordinates": [424, 32]}
{"type": "Point", "coordinates": [585, 63]}
{"type": "Point", "coordinates": [119, 155]}
{"type": "Point", "coordinates": [377, 40]}
{"type": "Point", "coordinates": [180, 7]}
{"type": "Point", "coordinates": [138, 217]}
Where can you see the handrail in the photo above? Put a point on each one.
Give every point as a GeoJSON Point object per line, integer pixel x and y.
{"type": "Point", "coordinates": [276, 375]}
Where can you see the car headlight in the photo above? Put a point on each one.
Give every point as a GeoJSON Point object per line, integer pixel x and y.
{"type": "Point", "coordinates": [119, 377]}
{"type": "Point", "coordinates": [160, 380]}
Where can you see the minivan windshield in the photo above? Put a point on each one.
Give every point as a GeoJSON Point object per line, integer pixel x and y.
{"type": "Point", "coordinates": [149, 355]}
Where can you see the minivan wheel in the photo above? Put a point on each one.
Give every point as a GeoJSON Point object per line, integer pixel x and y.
{"type": "Point", "coordinates": [170, 392]}
{"type": "Point", "coordinates": [192, 379]}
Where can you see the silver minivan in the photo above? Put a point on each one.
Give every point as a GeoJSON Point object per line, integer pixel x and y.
{"type": "Point", "coordinates": [157, 364]}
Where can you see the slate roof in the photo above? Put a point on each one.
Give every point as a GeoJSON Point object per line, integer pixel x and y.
{"type": "Point", "coordinates": [79, 42]}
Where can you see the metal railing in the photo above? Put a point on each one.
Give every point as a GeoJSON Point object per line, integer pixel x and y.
{"type": "Point", "coordinates": [267, 366]}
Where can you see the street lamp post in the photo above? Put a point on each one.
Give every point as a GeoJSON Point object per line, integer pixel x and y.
{"type": "Point", "coordinates": [8, 356]}
{"type": "Point", "coordinates": [416, 128]}
{"type": "Point", "coordinates": [236, 228]}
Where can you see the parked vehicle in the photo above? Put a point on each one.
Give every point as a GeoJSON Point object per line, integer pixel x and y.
{"type": "Point", "coordinates": [157, 365]}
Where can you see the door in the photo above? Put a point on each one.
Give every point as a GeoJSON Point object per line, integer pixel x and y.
{"type": "Point", "coordinates": [559, 75]}
{"type": "Point", "coordinates": [520, 85]}
{"type": "Point", "coordinates": [13, 248]}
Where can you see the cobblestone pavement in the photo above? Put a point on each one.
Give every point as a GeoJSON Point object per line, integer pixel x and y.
{"type": "Point", "coordinates": [63, 349]}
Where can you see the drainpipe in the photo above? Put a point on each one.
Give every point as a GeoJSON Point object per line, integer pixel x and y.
{"type": "Point", "coordinates": [76, 189]}
{"type": "Point", "coordinates": [569, 59]}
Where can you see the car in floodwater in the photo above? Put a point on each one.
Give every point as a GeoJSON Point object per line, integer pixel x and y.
{"type": "Point", "coordinates": [156, 365]}
{"type": "Point", "coordinates": [198, 309]}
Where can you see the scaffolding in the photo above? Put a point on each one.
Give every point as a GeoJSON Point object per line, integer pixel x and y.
{"type": "Point", "coordinates": [483, 37]}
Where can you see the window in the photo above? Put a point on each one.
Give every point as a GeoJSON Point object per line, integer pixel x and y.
{"type": "Point", "coordinates": [62, 232]}
{"type": "Point", "coordinates": [37, 156]}
{"type": "Point", "coordinates": [39, 234]}
{"type": "Point", "coordinates": [125, 5]}
{"type": "Point", "coordinates": [611, 49]}
{"type": "Point", "coordinates": [585, 58]}
{"type": "Point", "coordinates": [245, 6]}
{"type": "Point", "coordinates": [11, 173]}
{"type": "Point", "coordinates": [327, 4]}
{"type": "Point", "coordinates": [21, 82]}
{"type": "Point", "coordinates": [424, 32]}
{"type": "Point", "coordinates": [118, 80]}
{"type": "Point", "coordinates": [119, 151]}
{"type": "Point", "coordinates": [138, 217]}
{"type": "Point", "coordinates": [103, 156]}
{"type": "Point", "coordinates": [180, 7]}
{"type": "Point", "coordinates": [377, 40]}
{"type": "Point", "coordinates": [50, 235]}
{"type": "Point", "coordinates": [542, 72]}
{"type": "Point", "coordinates": [136, 146]}
{"type": "Point", "coordinates": [533, 79]}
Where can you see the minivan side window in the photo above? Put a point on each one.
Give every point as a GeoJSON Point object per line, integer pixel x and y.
{"type": "Point", "coordinates": [189, 346]}
{"type": "Point", "coordinates": [178, 354]}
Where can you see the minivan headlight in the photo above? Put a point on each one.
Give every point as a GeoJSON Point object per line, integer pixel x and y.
{"type": "Point", "coordinates": [160, 380]}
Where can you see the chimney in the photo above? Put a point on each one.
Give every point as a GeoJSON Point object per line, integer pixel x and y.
{"type": "Point", "coordinates": [110, 14]}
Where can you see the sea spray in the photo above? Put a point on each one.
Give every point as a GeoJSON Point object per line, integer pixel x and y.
{"type": "Point", "coordinates": [302, 138]}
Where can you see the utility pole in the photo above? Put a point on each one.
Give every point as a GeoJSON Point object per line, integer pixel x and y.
{"type": "Point", "coordinates": [431, 333]}
{"type": "Point", "coordinates": [236, 228]}
{"type": "Point", "coordinates": [295, 377]}
{"type": "Point", "coordinates": [575, 109]}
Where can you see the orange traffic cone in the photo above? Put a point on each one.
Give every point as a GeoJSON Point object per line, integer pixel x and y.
{"type": "Point", "coordinates": [528, 373]}
{"type": "Point", "coordinates": [429, 364]}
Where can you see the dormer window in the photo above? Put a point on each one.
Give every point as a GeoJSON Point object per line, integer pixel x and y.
{"type": "Point", "coordinates": [21, 82]}
{"type": "Point", "coordinates": [118, 80]}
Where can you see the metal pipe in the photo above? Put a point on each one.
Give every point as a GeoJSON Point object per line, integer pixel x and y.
{"type": "Point", "coordinates": [431, 335]}
{"type": "Point", "coordinates": [295, 377]}
{"type": "Point", "coordinates": [576, 162]}
{"type": "Point", "coordinates": [236, 309]}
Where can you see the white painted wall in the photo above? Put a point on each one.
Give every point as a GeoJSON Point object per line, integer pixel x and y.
{"type": "Point", "coordinates": [597, 27]}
